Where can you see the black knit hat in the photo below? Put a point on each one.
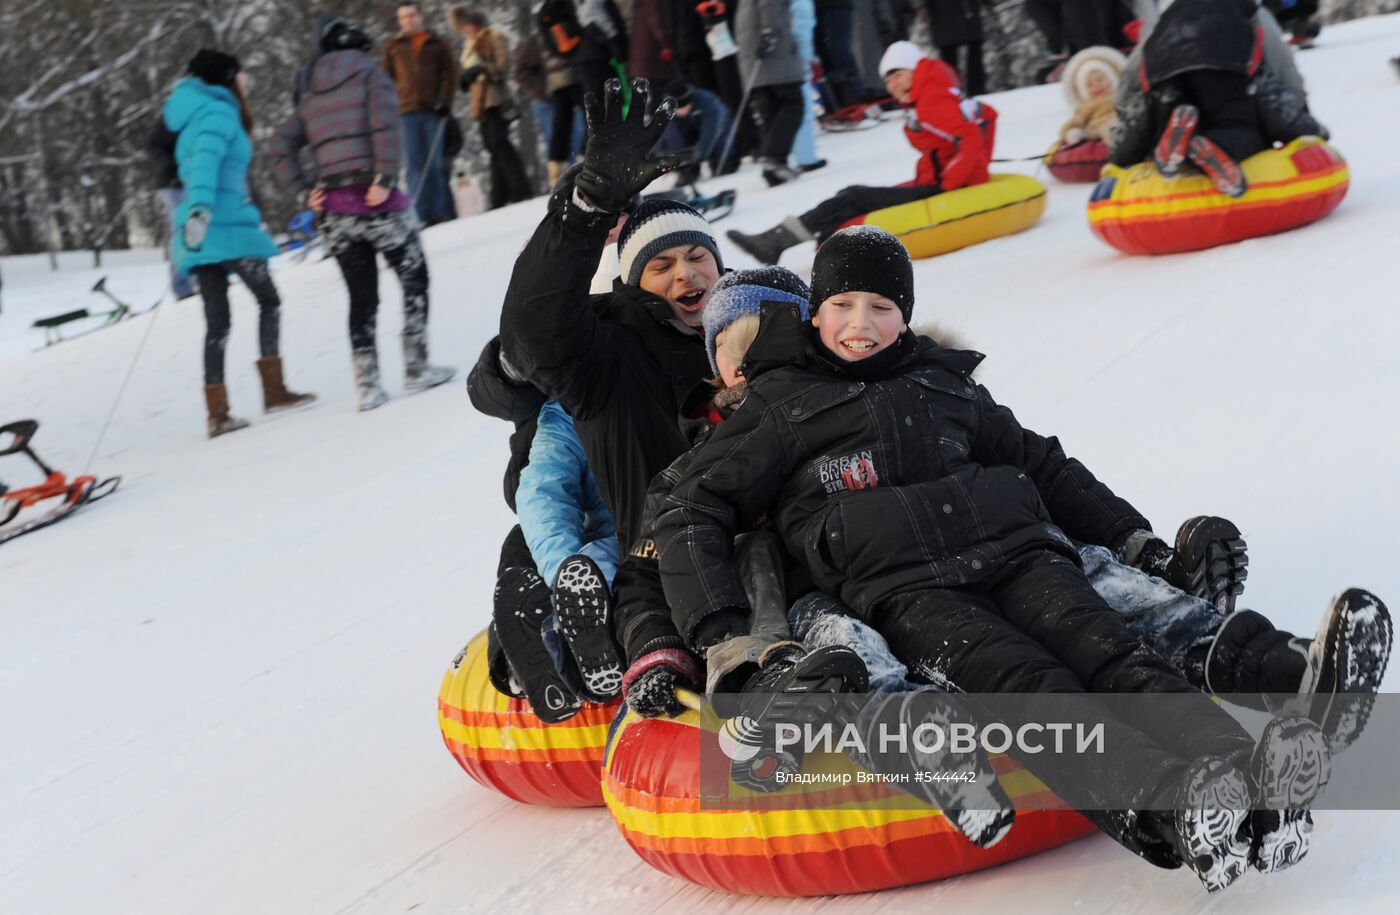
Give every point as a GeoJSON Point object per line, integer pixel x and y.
{"type": "Point", "coordinates": [342, 35]}
{"type": "Point", "coordinates": [864, 259]}
{"type": "Point", "coordinates": [655, 225]}
{"type": "Point", "coordinates": [215, 67]}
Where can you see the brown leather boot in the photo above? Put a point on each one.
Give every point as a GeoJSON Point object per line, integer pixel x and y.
{"type": "Point", "coordinates": [275, 394]}
{"type": "Point", "coordinates": [216, 399]}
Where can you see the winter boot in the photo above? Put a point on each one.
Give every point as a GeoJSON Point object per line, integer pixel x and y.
{"type": "Point", "coordinates": [1251, 660]}
{"type": "Point", "coordinates": [520, 606]}
{"type": "Point", "coordinates": [1289, 769]}
{"type": "Point", "coordinates": [980, 809]}
{"type": "Point", "coordinates": [811, 166]}
{"type": "Point", "coordinates": [1345, 664]}
{"type": "Point", "coordinates": [1172, 146]}
{"type": "Point", "coordinates": [1210, 562]}
{"type": "Point", "coordinates": [1222, 170]}
{"type": "Point", "coordinates": [371, 395]}
{"type": "Point", "coordinates": [582, 605]}
{"type": "Point", "coordinates": [768, 247]}
{"type": "Point", "coordinates": [275, 394]}
{"type": "Point", "coordinates": [498, 668]}
{"type": "Point", "coordinates": [1211, 824]}
{"type": "Point", "coordinates": [794, 689]}
{"type": "Point", "coordinates": [419, 375]}
{"type": "Point", "coordinates": [776, 173]}
{"type": "Point", "coordinates": [216, 399]}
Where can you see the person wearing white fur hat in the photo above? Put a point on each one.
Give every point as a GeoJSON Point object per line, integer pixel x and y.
{"type": "Point", "coordinates": [1089, 80]}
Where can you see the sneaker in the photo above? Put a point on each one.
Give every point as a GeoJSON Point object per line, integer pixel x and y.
{"type": "Point", "coordinates": [812, 166]}
{"type": "Point", "coordinates": [582, 615]}
{"type": "Point", "coordinates": [776, 173]}
{"type": "Point", "coordinates": [368, 392]}
{"type": "Point", "coordinates": [1171, 150]}
{"type": "Point", "coordinates": [1290, 768]}
{"type": "Point", "coordinates": [1222, 170]}
{"type": "Point", "coordinates": [1345, 663]}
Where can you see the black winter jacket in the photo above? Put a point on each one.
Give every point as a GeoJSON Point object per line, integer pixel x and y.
{"type": "Point", "coordinates": [915, 480]}
{"type": "Point", "coordinates": [1202, 35]}
{"type": "Point", "coordinates": [620, 364]}
{"type": "Point", "coordinates": [495, 393]}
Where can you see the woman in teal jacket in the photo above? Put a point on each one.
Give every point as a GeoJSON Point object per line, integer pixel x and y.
{"type": "Point", "coordinates": [219, 230]}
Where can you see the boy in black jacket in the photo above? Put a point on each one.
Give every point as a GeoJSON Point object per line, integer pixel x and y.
{"type": "Point", "coordinates": [926, 508]}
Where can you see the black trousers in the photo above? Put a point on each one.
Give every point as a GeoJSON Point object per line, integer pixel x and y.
{"type": "Point", "coordinates": [857, 200]}
{"type": "Point", "coordinates": [213, 288]}
{"type": "Point", "coordinates": [779, 110]}
{"type": "Point", "coordinates": [967, 60]}
{"type": "Point", "coordinates": [354, 241]}
{"type": "Point", "coordinates": [1039, 629]}
{"type": "Point", "coordinates": [508, 181]}
{"type": "Point", "coordinates": [1073, 25]}
{"type": "Point", "coordinates": [1229, 114]}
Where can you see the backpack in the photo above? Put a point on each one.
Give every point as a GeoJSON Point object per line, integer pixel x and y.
{"type": "Point", "coordinates": [558, 22]}
{"type": "Point", "coordinates": [160, 149]}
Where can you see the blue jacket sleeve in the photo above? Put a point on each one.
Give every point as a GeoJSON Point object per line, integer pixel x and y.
{"type": "Point", "coordinates": [553, 502]}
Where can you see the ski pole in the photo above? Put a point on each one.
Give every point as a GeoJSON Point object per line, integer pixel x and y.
{"type": "Point", "coordinates": [437, 139]}
{"type": "Point", "coordinates": [743, 104]}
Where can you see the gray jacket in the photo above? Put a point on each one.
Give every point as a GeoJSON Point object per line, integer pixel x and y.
{"type": "Point", "coordinates": [785, 64]}
{"type": "Point", "coordinates": [347, 111]}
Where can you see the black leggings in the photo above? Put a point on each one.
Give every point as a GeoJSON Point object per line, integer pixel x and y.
{"type": "Point", "coordinates": [857, 200]}
{"type": "Point", "coordinates": [353, 241]}
{"type": "Point", "coordinates": [213, 287]}
{"type": "Point", "coordinates": [508, 181]}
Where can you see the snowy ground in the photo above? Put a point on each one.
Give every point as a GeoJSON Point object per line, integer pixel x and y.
{"type": "Point", "coordinates": [218, 685]}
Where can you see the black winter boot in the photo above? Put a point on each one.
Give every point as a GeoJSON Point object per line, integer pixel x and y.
{"type": "Point", "coordinates": [768, 247]}
{"type": "Point", "coordinates": [1211, 824]}
{"type": "Point", "coordinates": [1171, 149]}
{"type": "Point", "coordinates": [1345, 663]}
{"type": "Point", "coordinates": [795, 689]}
{"type": "Point", "coordinates": [521, 604]}
{"type": "Point", "coordinates": [1210, 561]}
{"type": "Point", "coordinates": [582, 614]}
{"type": "Point", "coordinates": [1250, 658]}
{"type": "Point", "coordinates": [498, 668]}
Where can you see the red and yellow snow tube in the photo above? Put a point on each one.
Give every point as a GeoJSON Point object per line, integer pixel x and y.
{"type": "Point", "coordinates": [1078, 163]}
{"type": "Point", "coordinates": [1138, 211]}
{"type": "Point", "coordinates": [852, 839]}
{"type": "Point", "coordinates": [503, 745]}
{"type": "Point", "coordinates": [946, 222]}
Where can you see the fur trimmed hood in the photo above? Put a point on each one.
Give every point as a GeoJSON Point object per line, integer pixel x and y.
{"type": "Point", "coordinates": [1101, 57]}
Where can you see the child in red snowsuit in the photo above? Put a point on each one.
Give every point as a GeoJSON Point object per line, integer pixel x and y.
{"type": "Point", "coordinates": [953, 135]}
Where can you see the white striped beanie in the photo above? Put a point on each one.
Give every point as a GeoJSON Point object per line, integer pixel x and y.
{"type": "Point", "coordinates": [655, 225]}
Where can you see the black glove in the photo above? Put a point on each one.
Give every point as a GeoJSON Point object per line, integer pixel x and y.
{"type": "Point", "coordinates": [651, 682]}
{"type": "Point", "coordinates": [617, 162]}
{"type": "Point", "coordinates": [767, 43]}
{"type": "Point", "coordinates": [469, 76]}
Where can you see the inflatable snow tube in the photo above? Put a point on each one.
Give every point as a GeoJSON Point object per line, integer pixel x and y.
{"type": "Point", "coordinates": [946, 222]}
{"type": "Point", "coordinates": [503, 745]}
{"type": "Point", "coordinates": [1079, 163]}
{"type": "Point", "coordinates": [1138, 211]}
{"type": "Point", "coordinates": [853, 843]}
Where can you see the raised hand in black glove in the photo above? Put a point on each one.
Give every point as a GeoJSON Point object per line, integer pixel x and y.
{"type": "Point", "coordinates": [767, 42]}
{"type": "Point", "coordinates": [617, 161]}
{"type": "Point", "coordinates": [650, 684]}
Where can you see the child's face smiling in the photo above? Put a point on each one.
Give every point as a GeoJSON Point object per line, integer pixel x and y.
{"type": "Point", "coordinates": [857, 325]}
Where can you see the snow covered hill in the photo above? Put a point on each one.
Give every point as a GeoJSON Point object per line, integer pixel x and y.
{"type": "Point", "coordinates": [218, 685]}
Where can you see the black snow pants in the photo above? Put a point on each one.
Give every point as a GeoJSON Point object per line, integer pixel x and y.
{"type": "Point", "coordinates": [857, 200]}
{"type": "Point", "coordinates": [1040, 628]}
{"type": "Point", "coordinates": [213, 288]}
{"type": "Point", "coordinates": [1229, 113]}
{"type": "Point", "coordinates": [780, 110]}
{"type": "Point", "coordinates": [1073, 25]}
{"type": "Point", "coordinates": [354, 241]}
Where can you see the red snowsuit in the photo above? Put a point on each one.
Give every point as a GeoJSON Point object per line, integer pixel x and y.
{"type": "Point", "coordinates": [954, 149]}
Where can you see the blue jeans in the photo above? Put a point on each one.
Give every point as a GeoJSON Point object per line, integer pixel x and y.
{"type": "Point", "coordinates": [180, 283]}
{"type": "Point", "coordinates": [542, 110]}
{"type": "Point", "coordinates": [703, 129]}
{"type": "Point", "coordinates": [835, 37]}
{"type": "Point", "coordinates": [426, 174]}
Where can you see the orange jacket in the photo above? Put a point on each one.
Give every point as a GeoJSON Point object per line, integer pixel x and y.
{"type": "Point", "coordinates": [954, 151]}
